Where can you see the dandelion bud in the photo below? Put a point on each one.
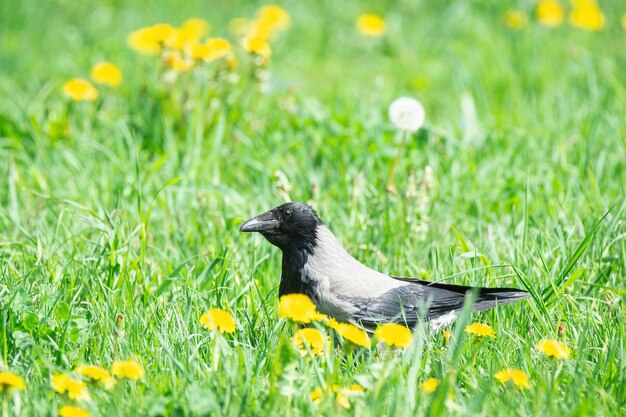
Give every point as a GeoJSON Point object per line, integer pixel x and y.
{"type": "Point", "coordinates": [119, 323]}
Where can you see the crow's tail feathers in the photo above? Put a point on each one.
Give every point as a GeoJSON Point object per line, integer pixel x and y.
{"type": "Point", "coordinates": [452, 297]}
{"type": "Point", "coordinates": [491, 297]}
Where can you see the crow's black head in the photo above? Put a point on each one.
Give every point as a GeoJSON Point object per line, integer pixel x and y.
{"type": "Point", "coordinates": [291, 226]}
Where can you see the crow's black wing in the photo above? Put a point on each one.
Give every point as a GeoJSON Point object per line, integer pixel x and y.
{"type": "Point", "coordinates": [406, 304]}
{"type": "Point", "coordinates": [485, 297]}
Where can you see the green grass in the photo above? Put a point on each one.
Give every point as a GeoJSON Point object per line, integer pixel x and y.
{"type": "Point", "coordinates": [131, 205]}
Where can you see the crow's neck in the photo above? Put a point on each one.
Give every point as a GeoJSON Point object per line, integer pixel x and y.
{"type": "Point", "coordinates": [291, 281]}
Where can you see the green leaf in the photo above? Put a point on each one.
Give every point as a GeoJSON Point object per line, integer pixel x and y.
{"type": "Point", "coordinates": [62, 311]}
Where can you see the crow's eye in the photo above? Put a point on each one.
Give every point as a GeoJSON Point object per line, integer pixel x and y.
{"type": "Point", "coordinates": [287, 214]}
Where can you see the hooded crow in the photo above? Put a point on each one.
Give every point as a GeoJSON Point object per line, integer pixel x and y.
{"type": "Point", "coordinates": [315, 264]}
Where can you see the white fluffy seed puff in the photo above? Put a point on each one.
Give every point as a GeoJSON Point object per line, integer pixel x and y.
{"type": "Point", "coordinates": [407, 114]}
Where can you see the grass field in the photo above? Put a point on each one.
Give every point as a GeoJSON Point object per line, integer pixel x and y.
{"type": "Point", "coordinates": [119, 217]}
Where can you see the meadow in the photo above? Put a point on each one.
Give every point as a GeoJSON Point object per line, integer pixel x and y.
{"type": "Point", "coordinates": [122, 195]}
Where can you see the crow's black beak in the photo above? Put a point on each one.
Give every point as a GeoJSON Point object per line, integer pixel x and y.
{"type": "Point", "coordinates": [263, 222]}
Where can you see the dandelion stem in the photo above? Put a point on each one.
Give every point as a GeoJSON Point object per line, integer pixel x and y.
{"type": "Point", "coordinates": [5, 404]}
{"type": "Point", "coordinates": [391, 187]}
{"type": "Point", "coordinates": [215, 354]}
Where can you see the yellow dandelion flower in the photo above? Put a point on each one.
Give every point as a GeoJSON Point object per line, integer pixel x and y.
{"type": "Point", "coordinates": [553, 348]}
{"type": "Point", "coordinates": [93, 372]}
{"type": "Point", "coordinates": [332, 323]}
{"type": "Point", "coordinates": [342, 395]}
{"type": "Point", "coordinates": [150, 40]}
{"type": "Point", "coordinates": [78, 89]}
{"type": "Point", "coordinates": [182, 38]}
{"type": "Point", "coordinates": [311, 338]}
{"type": "Point", "coordinates": [298, 307]}
{"type": "Point", "coordinates": [213, 49]}
{"type": "Point", "coordinates": [430, 385]}
{"type": "Point", "coordinates": [106, 73]}
{"type": "Point", "coordinates": [161, 32]}
{"type": "Point", "coordinates": [141, 41]}
{"type": "Point", "coordinates": [316, 395]}
{"type": "Point", "coordinates": [447, 334]}
{"type": "Point", "coordinates": [258, 28]}
{"type": "Point", "coordinates": [274, 17]}
{"type": "Point", "coordinates": [108, 382]}
{"type": "Point", "coordinates": [257, 45]}
{"type": "Point", "coordinates": [270, 20]}
{"type": "Point", "coordinates": [342, 399]}
{"type": "Point", "coordinates": [355, 388]}
{"type": "Point", "coordinates": [218, 319]}
{"type": "Point", "coordinates": [232, 61]}
{"type": "Point", "coordinates": [515, 19]}
{"type": "Point", "coordinates": [519, 378]}
{"type": "Point", "coordinates": [197, 26]}
{"type": "Point", "coordinates": [127, 369]}
{"type": "Point", "coordinates": [239, 26]}
{"type": "Point", "coordinates": [199, 51]}
{"type": "Point", "coordinates": [219, 47]}
{"type": "Point", "coordinates": [176, 61]}
{"type": "Point", "coordinates": [550, 13]}
{"type": "Point", "coordinates": [354, 334]}
{"type": "Point", "coordinates": [480, 329]}
{"type": "Point", "coordinates": [59, 383]}
{"type": "Point", "coordinates": [394, 334]}
{"type": "Point", "coordinates": [9, 381]}
{"type": "Point", "coordinates": [72, 411]}
{"type": "Point", "coordinates": [586, 15]}
{"type": "Point", "coordinates": [96, 373]}
{"type": "Point", "coordinates": [370, 25]}
{"type": "Point", "coordinates": [75, 388]}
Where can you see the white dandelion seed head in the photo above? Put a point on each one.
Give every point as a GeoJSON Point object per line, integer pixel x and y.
{"type": "Point", "coordinates": [407, 114]}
